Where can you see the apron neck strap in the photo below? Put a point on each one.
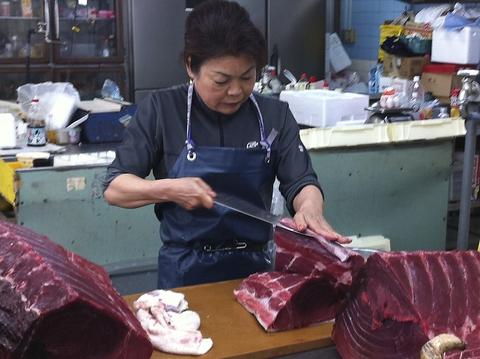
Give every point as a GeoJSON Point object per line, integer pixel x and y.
{"type": "Point", "coordinates": [260, 122]}
{"type": "Point", "coordinates": [189, 141]}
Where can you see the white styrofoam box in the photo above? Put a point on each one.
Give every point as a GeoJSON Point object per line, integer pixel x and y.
{"type": "Point", "coordinates": [426, 129]}
{"type": "Point", "coordinates": [324, 108]}
{"type": "Point", "coordinates": [456, 47]}
{"type": "Point", "coordinates": [351, 135]}
{"type": "Point", "coordinates": [8, 136]}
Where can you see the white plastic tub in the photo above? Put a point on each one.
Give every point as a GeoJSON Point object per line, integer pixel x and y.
{"type": "Point", "coordinates": [340, 136]}
{"type": "Point", "coordinates": [456, 47]}
{"type": "Point", "coordinates": [427, 129]}
{"type": "Point", "coordinates": [378, 133]}
{"type": "Point", "coordinates": [324, 108]}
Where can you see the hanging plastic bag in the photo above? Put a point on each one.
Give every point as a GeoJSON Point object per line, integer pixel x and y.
{"type": "Point", "coordinates": [57, 101]}
{"type": "Point", "coordinates": [111, 90]}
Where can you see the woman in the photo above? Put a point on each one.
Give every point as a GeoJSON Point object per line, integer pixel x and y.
{"type": "Point", "coordinates": [215, 136]}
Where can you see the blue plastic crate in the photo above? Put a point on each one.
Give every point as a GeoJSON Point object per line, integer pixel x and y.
{"type": "Point", "coordinates": [107, 126]}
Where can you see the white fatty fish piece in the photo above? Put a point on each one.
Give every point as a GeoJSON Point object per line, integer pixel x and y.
{"type": "Point", "coordinates": [173, 301]}
{"type": "Point", "coordinates": [187, 320]}
{"type": "Point", "coordinates": [168, 330]}
{"type": "Point", "coordinates": [145, 318]}
{"type": "Point", "coordinates": [160, 315]}
{"type": "Point", "coordinates": [185, 342]}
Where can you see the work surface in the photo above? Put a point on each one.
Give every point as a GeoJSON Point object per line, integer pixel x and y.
{"type": "Point", "coordinates": [235, 332]}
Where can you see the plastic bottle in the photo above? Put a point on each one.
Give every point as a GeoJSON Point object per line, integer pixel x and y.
{"type": "Point", "coordinates": [443, 113]}
{"type": "Point", "coordinates": [372, 81]}
{"type": "Point", "coordinates": [36, 133]}
{"type": "Point", "coordinates": [15, 45]}
{"type": "Point", "coordinates": [274, 82]}
{"type": "Point", "coordinates": [387, 98]}
{"type": "Point", "coordinates": [417, 98]}
{"type": "Point", "coordinates": [454, 103]}
{"type": "Point", "coordinates": [105, 50]}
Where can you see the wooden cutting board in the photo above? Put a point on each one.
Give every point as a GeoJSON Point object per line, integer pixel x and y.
{"type": "Point", "coordinates": [235, 332]}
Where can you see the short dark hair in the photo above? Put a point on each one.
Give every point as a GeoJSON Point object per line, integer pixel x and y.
{"type": "Point", "coordinates": [218, 28]}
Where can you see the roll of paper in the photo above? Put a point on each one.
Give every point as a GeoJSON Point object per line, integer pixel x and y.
{"type": "Point", "coordinates": [7, 130]}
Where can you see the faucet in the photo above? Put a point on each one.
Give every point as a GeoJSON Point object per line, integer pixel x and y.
{"type": "Point", "coordinates": [469, 97]}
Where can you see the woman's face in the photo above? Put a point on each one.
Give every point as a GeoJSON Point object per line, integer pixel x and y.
{"type": "Point", "coordinates": [224, 83]}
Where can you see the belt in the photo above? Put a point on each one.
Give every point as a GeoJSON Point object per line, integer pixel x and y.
{"type": "Point", "coordinates": [228, 245]}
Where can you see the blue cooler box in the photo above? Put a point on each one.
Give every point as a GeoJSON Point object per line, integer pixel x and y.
{"type": "Point", "coordinates": [107, 126]}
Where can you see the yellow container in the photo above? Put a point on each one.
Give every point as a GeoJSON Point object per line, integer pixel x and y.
{"type": "Point", "coordinates": [386, 31]}
{"type": "Point", "coordinates": [8, 188]}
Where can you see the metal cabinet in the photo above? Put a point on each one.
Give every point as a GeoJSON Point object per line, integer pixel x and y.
{"type": "Point", "coordinates": [67, 205]}
{"type": "Point", "coordinates": [399, 191]}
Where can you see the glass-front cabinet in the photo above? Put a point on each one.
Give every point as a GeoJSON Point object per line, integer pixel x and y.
{"type": "Point", "coordinates": [89, 81]}
{"type": "Point", "coordinates": [14, 77]}
{"type": "Point", "coordinates": [90, 33]}
{"type": "Point", "coordinates": [90, 45]}
{"type": "Point", "coordinates": [18, 22]}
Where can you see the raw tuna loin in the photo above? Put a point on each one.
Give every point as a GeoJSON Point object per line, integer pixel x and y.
{"type": "Point", "coordinates": [55, 304]}
{"type": "Point", "coordinates": [404, 299]}
{"type": "Point", "coordinates": [309, 285]}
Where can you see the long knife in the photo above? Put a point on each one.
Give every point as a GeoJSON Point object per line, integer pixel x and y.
{"type": "Point", "coordinates": [241, 206]}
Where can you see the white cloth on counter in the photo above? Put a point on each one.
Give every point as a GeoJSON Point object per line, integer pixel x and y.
{"type": "Point", "coordinates": [170, 326]}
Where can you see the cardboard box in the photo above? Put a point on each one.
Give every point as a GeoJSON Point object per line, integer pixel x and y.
{"type": "Point", "coordinates": [440, 84]}
{"type": "Point", "coordinates": [403, 67]}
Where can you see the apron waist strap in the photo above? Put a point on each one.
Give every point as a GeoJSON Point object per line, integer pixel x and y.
{"type": "Point", "coordinates": [228, 245]}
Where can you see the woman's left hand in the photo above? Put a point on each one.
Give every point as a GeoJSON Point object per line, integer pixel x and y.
{"type": "Point", "coordinates": [309, 214]}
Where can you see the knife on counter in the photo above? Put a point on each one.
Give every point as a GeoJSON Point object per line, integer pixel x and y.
{"type": "Point", "coordinates": [244, 207]}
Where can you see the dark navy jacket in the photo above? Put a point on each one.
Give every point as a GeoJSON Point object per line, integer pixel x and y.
{"type": "Point", "coordinates": [156, 136]}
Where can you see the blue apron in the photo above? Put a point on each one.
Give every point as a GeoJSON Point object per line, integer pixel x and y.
{"type": "Point", "coordinates": [210, 245]}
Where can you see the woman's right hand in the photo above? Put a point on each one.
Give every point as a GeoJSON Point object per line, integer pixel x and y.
{"type": "Point", "coordinates": [130, 191]}
{"type": "Point", "coordinates": [191, 192]}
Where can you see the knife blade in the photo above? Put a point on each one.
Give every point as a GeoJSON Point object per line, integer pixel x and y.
{"type": "Point", "coordinates": [244, 207]}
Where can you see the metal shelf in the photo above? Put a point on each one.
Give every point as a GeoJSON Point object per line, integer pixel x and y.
{"type": "Point", "coordinates": [88, 19]}
{"type": "Point", "coordinates": [19, 18]}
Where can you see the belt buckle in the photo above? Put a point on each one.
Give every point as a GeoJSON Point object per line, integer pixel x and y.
{"type": "Point", "coordinates": [236, 246]}
{"type": "Point", "coordinates": [241, 245]}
